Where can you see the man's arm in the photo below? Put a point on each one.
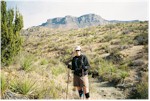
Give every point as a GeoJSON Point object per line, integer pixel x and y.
{"type": "Point", "coordinates": [86, 64]}
{"type": "Point", "coordinates": [71, 64]}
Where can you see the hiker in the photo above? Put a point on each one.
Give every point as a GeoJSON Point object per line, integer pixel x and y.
{"type": "Point", "coordinates": [80, 66]}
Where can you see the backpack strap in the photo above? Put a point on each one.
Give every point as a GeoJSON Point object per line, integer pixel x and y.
{"type": "Point", "coordinates": [82, 60]}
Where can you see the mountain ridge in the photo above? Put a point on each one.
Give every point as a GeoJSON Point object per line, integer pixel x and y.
{"type": "Point", "coordinates": [83, 21]}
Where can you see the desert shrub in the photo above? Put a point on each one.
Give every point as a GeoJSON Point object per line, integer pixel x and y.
{"type": "Point", "coordinates": [23, 86]}
{"type": "Point", "coordinates": [142, 89]}
{"type": "Point", "coordinates": [123, 74]}
{"type": "Point", "coordinates": [4, 84]}
{"type": "Point", "coordinates": [141, 39]}
{"type": "Point", "coordinates": [110, 26]}
{"type": "Point", "coordinates": [94, 62]}
{"type": "Point", "coordinates": [126, 40]}
{"type": "Point", "coordinates": [108, 37]}
{"type": "Point", "coordinates": [55, 90]}
{"type": "Point", "coordinates": [106, 48]}
{"type": "Point", "coordinates": [67, 50]}
{"type": "Point", "coordinates": [85, 33]}
{"type": "Point", "coordinates": [53, 61]}
{"type": "Point", "coordinates": [114, 78]}
{"type": "Point", "coordinates": [115, 42]}
{"type": "Point", "coordinates": [124, 67]}
{"type": "Point", "coordinates": [55, 48]}
{"type": "Point", "coordinates": [137, 62]}
{"type": "Point", "coordinates": [57, 69]}
{"type": "Point", "coordinates": [114, 56]}
{"type": "Point", "coordinates": [85, 41]}
{"type": "Point", "coordinates": [145, 48]}
{"type": "Point", "coordinates": [26, 63]}
{"type": "Point", "coordinates": [106, 67]}
{"type": "Point", "coordinates": [51, 90]}
{"type": "Point", "coordinates": [101, 66]}
{"type": "Point", "coordinates": [107, 70]}
{"type": "Point", "coordinates": [126, 31]}
{"type": "Point", "coordinates": [44, 62]}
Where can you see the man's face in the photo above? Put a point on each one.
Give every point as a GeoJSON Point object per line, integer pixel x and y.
{"type": "Point", "coordinates": [78, 52]}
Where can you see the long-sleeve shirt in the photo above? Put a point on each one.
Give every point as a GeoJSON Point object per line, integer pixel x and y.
{"type": "Point", "coordinates": [80, 63]}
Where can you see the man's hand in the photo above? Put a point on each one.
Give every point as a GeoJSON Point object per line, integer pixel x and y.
{"type": "Point", "coordinates": [69, 65]}
{"type": "Point", "coordinates": [83, 66]}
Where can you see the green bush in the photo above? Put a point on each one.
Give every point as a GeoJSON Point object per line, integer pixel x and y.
{"type": "Point", "coordinates": [53, 61]}
{"type": "Point", "coordinates": [26, 63]}
{"type": "Point", "coordinates": [23, 86]}
{"type": "Point", "coordinates": [4, 84]}
{"type": "Point", "coordinates": [85, 41]}
{"type": "Point", "coordinates": [126, 39]}
{"type": "Point", "coordinates": [50, 90]}
{"type": "Point", "coordinates": [114, 56]}
{"type": "Point", "coordinates": [124, 74]}
{"type": "Point", "coordinates": [57, 69]}
{"type": "Point", "coordinates": [108, 71]}
{"type": "Point", "coordinates": [11, 40]}
{"type": "Point", "coordinates": [141, 39]}
{"type": "Point", "coordinates": [107, 38]}
{"type": "Point", "coordinates": [54, 91]}
{"type": "Point", "coordinates": [102, 67]}
{"type": "Point", "coordinates": [94, 62]}
{"type": "Point", "coordinates": [142, 89]}
{"type": "Point", "coordinates": [124, 67]}
{"type": "Point", "coordinates": [106, 68]}
{"type": "Point", "coordinates": [44, 62]}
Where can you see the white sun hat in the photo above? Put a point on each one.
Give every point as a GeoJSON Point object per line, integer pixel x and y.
{"type": "Point", "coordinates": [78, 48]}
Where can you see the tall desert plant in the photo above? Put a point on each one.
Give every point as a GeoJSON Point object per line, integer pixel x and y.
{"type": "Point", "coordinates": [23, 86]}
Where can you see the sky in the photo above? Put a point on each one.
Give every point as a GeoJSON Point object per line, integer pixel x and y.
{"type": "Point", "coordinates": [36, 12]}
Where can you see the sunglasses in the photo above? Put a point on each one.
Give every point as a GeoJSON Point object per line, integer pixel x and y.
{"type": "Point", "coordinates": [78, 50]}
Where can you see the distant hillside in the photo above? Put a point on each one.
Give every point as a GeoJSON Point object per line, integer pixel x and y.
{"type": "Point", "coordinates": [117, 53]}
{"type": "Point", "coordinates": [70, 22]}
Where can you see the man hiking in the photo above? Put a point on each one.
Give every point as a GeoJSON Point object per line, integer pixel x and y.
{"type": "Point", "coordinates": [80, 66]}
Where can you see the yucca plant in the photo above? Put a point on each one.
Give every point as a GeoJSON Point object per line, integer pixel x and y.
{"type": "Point", "coordinates": [23, 86]}
{"type": "Point", "coordinates": [113, 69]}
{"type": "Point", "coordinates": [4, 85]}
{"type": "Point", "coordinates": [53, 91]}
{"type": "Point", "coordinates": [26, 63]}
{"type": "Point", "coordinates": [124, 74]}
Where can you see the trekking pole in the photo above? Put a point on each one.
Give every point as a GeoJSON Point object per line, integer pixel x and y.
{"type": "Point", "coordinates": [67, 85]}
{"type": "Point", "coordinates": [83, 82]}
{"type": "Point", "coordinates": [82, 75]}
{"type": "Point", "coordinates": [68, 76]}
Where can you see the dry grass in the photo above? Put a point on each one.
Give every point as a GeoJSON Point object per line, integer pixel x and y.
{"type": "Point", "coordinates": [46, 50]}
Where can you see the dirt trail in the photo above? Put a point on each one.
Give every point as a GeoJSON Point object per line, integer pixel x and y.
{"type": "Point", "coordinates": [104, 90]}
{"type": "Point", "coordinates": [100, 90]}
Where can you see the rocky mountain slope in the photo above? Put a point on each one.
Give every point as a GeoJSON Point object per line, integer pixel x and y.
{"type": "Point", "coordinates": [70, 22]}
